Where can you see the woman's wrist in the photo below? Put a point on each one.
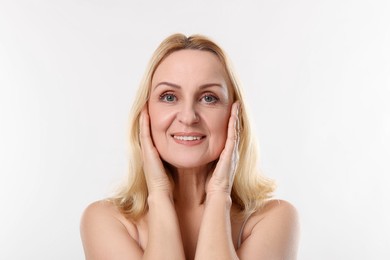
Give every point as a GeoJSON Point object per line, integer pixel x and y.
{"type": "Point", "coordinates": [158, 197]}
{"type": "Point", "coordinates": [218, 197]}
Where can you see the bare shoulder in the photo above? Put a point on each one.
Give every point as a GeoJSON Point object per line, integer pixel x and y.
{"type": "Point", "coordinates": [278, 215]}
{"type": "Point", "coordinates": [99, 208]}
{"type": "Point", "coordinates": [278, 209]}
{"type": "Point", "coordinates": [106, 232]}
{"type": "Point", "coordinates": [103, 210]}
{"type": "Point", "coordinates": [272, 232]}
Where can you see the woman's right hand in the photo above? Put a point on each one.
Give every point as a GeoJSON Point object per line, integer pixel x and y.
{"type": "Point", "coordinates": [164, 237]}
{"type": "Point", "coordinates": [156, 178]}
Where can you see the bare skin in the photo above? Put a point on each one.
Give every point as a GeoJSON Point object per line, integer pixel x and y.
{"type": "Point", "coordinates": [194, 219]}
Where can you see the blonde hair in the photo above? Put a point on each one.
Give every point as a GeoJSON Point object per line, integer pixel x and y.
{"type": "Point", "coordinates": [250, 188]}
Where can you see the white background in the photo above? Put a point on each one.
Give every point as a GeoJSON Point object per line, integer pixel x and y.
{"type": "Point", "coordinates": [317, 78]}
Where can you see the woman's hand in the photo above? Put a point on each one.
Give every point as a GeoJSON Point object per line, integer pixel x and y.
{"type": "Point", "coordinates": [223, 175]}
{"type": "Point", "coordinates": [156, 178]}
{"type": "Point", "coordinates": [164, 237]}
{"type": "Point", "coordinates": [215, 239]}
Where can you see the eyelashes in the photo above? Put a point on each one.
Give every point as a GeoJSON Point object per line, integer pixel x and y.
{"type": "Point", "coordinates": [206, 98]}
{"type": "Point", "coordinates": [168, 97]}
{"type": "Point", "coordinates": [210, 98]}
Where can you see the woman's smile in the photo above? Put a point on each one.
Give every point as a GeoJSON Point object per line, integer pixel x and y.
{"type": "Point", "coordinates": [189, 139]}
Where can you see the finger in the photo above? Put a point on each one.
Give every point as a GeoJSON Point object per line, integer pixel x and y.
{"type": "Point", "coordinates": [229, 155]}
{"type": "Point", "coordinates": [224, 173]}
{"type": "Point", "coordinates": [144, 131]}
{"type": "Point", "coordinates": [237, 133]}
{"type": "Point", "coordinates": [233, 132]}
{"type": "Point", "coordinates": [153, 168]}
{"type": "Point", "coordinates": [151, 158]}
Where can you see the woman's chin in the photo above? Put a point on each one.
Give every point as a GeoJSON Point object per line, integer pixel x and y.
{"type": "Point", "coordinates": [187, 164]}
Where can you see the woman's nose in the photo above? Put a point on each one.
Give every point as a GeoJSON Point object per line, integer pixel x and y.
{"type": "Point", "coordinates": [188, 115]}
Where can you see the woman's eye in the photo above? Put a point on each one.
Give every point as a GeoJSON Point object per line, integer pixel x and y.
{"type": "Point", "coordinates": [210, 99]}
{"type": "Point", "coordinates": [168, 97]}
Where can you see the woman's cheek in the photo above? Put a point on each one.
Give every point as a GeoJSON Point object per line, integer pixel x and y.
{"type": "Point", "coordinates": [160, 120]}
{"type": "Point", "coordinates": [219, 125]}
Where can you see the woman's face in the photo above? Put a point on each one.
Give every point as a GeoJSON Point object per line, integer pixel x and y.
{"type": "Point", "coordinates": [189, 108]}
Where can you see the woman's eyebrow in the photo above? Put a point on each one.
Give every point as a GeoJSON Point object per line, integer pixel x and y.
{"type": "Point", "coordinates": [177, 86]}
{"type": "Point", "coordinates": [211, 85]}
{"type": "Point", "coordinates": [168, 84]}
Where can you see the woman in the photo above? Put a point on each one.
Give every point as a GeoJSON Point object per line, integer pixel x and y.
{"type": "Point", "coordinates": [193, 191]}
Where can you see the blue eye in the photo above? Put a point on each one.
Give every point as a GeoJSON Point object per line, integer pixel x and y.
{"type": "Point", "coordinates": [210, 99]}
{"type": "Point", "coordinates": [168, 97]}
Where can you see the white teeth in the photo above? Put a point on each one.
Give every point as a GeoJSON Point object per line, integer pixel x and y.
{"type": "Point", "coordinates": [187, 138]}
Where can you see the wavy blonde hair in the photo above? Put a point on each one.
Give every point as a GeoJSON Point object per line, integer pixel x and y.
{"type": "Point", "coordinates": [250, 188]}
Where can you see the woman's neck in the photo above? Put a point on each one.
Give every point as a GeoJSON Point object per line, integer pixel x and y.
{"type": "Point", "coordinates": [190, 186]}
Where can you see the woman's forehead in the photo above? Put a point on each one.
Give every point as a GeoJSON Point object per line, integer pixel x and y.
{"type": "Point", "coordinates": [190, 65]}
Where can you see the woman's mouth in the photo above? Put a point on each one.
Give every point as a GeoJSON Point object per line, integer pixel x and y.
{"type": "Point", "coordinates": [188, 138]}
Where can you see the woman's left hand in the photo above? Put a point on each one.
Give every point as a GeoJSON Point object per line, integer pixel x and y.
{"type": "Point", "coordinates": [222, 178]}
